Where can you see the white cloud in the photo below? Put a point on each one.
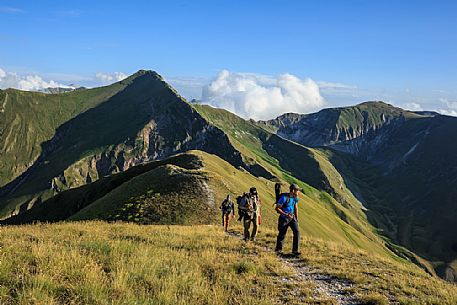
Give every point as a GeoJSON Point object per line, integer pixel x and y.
{"type": "Point", "coordinates": [26, 82]}
{"type": "Point", "coordinates": [34, 82]}
{"type": "Point", "coordinates": [448, 112]}
{"type": "Point", "coordinates": [262, 97]}
{"type": "Point", "coordinates": [411, 106]}
{"type": "Point", "coordinates": [107, 78]}
{"type": "Point", "coordinates": [451, 107]}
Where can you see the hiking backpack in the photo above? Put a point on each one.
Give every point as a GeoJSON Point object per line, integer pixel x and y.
{"type": "Point", "coordinates": [227, 206]}
{"type": "Point", "coordinates": [278, 195]}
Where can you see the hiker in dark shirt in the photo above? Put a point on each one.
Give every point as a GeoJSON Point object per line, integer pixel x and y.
{"type": "Point", "coordinates": [228, 210]}
{"type": "Point", "coordinates": [251, 208]}
{"type": "Point", "coordinates": [287, 207]}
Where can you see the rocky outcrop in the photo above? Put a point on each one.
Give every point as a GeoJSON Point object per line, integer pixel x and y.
{"type": "Point", "coordinates": [357, 130]}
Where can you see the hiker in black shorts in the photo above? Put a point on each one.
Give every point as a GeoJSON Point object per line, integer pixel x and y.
{"type": "Point", "coordinates": [228, 210]}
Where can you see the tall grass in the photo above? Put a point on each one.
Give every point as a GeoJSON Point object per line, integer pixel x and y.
{"type": "Point", "coordinates": [119, 263]}
{"type": "Point", "coordinates": [100, 263]}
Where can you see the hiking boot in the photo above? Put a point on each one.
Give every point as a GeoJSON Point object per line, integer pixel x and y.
{"type": "Point", "coordinates": [278, 252]}
{"type": "Point", "coordinates": [296, 254]}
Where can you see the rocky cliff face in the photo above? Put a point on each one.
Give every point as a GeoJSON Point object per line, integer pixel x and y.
{"type": "Point", "coordinates": [360, 130]}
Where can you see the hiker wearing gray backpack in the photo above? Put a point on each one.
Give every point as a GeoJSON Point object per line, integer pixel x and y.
{"type": "Point", "coordinates": [228, 209]}
{"type": "Point", "coordinates": [287, 207]}
{"type": "Point", "coordinates": [251, 207]}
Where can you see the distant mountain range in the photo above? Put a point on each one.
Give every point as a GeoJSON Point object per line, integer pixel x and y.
{"type": "Point", "coordinates": [376, 177]}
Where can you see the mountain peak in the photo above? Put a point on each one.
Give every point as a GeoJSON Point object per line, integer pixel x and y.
{"type": "Point", "coordinates": [148, 73]}
{"type": "Point", "coordinates": [376, 104]}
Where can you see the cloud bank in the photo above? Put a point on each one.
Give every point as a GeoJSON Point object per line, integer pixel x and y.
{"type": "Point", "coordinates": [262, 97]}
{"type": "Point", "coordinates": [450, 109]}
{"type": "Point", "coordinates": [26, 82]}
{"type": "Point", "coordinates": [33, 82]}
{"type": "Point", "coordinates": [412, 106]}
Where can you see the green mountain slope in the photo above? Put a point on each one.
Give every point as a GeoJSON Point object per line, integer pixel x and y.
{"type": "Point", "coordinates": [188, 189]}
{"type": "Point", "coordinates": [291, 162]}
{"type": "Point", "coordinates": [147, 120]}
{"type": "Point", "coordinates": [27, 119]}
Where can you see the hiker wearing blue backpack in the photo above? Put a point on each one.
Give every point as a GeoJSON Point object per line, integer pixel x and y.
{"type": "Point", "coordinates": [286, 206]}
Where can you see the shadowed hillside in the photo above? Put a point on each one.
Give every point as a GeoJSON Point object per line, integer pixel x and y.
{"type": "Point", "coordinates": [27, 119]}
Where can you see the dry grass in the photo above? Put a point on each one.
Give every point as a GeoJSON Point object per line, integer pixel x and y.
{"type": "Point", "coordinates": [119, 263]}
{"type": "Point", "coordinates": [376, 279]}
{"type": "Point", "coordinates": [100, 263]}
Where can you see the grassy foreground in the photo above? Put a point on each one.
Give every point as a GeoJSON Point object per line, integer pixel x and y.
{"type": "Point", "coordinates": [102, 263]}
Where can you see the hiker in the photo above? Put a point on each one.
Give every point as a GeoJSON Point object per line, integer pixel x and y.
{"type": "Point", "coordinates": [241, 201]}
{"type": "Point", "coordinates": [251, 214]}
{"type": "Point", "coordinates": [228, 209]}
{"type": "Point", "coordinates": [288, 210]}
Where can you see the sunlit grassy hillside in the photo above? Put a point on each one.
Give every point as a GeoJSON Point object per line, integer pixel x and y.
{"type": "Point", "coordinates": [188, 189]}
{"type": "Point", "coordinates": [102, 263]}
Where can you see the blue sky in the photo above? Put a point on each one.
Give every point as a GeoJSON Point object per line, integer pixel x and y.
{"type": "Point", "coordinates": [404, 52]}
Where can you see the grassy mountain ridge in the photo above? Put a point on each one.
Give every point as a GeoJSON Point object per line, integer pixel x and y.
{"type": "Point", "coordinates": [68, 203]}
{"type": "Point", "coordinates": [188, 189]}
{"type": "Point", "coordinates": [147, 120]}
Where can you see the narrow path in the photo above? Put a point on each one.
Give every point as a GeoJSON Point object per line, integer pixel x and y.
{"type": "Point", "coordinates": [326, 287]}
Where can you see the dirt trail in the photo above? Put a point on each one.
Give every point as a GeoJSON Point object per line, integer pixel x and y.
{"type": "Point", "coordinates": [330, 288]}
{"type": "Point", "coordinates": [326, 288]}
